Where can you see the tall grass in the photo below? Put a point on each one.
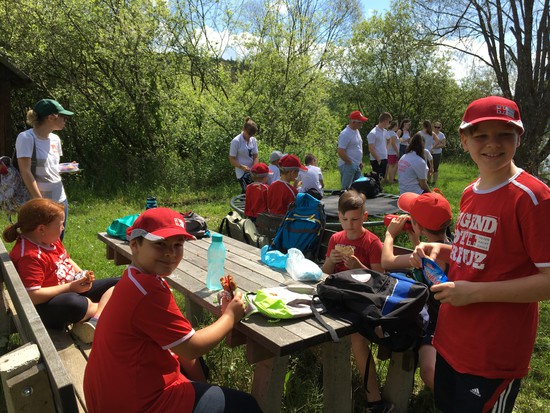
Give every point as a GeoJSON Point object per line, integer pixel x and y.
{"type": "Point", "coordinates": [91, 212]}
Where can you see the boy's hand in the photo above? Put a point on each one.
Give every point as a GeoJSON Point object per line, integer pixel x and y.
{"type": "Point", "coordinates": [352, 262]}
{"type": "Point", "coordinates": [336, 256]}
{"type": "Point", "coordinates": [236, 306]}
{"type": "Point", "coordinates": [397, 224]}
{"type": "Point", "coordinates": [458, 293]}
{"type": "Point", "coordinates": [422, 250]}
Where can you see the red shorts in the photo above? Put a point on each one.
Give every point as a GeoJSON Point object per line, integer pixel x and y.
{"type": "Point", "coordinates": [392, 159]}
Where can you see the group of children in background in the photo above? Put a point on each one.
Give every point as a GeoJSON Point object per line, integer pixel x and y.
{"type": "Point", "coordinates": [275, 187]}
{"type": "Point", "coordinates": [146, 356]}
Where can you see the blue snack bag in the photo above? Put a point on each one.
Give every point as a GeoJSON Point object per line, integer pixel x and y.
{"type": "Point", "coordinates": [433, 274]}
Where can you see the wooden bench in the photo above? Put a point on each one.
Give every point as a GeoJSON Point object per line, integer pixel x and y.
{"type": "Point", "coordinates": [46, 372]}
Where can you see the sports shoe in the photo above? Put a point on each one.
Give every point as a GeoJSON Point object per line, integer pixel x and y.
{"type": "Point", "coordinates": [85, 331]}
{"type": "Point", "coordinates": [380, 407]}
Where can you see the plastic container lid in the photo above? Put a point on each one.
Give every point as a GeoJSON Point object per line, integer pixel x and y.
{"type": "Point", "coordinates": [217, 237]}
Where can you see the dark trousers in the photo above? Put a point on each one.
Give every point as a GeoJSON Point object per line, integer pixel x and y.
{"type": "Point", "coordinates": [380, 168]}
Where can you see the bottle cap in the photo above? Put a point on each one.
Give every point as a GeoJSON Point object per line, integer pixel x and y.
{"type": "Point", "coordinates": [217, 237]}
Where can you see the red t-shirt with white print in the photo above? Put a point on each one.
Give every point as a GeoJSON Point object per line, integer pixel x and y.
{"type": "Point", "coordinates": [41, 266]}
{"type": "Point", "coordinates": [501, 234]}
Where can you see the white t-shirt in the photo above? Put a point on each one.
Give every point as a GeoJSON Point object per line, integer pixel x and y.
{"type": "Point", "coordinates": [411, 168]}
{"type": "Point", "coordinates": [48, 152]}
{"type": "Point", "coordinates": [392, 137]}
{"type": "Point", "coordinates": [442, 139]}
{"type": "Point", "coordinates": [377, 137]}
{"type": "Point", "coordinates": [351, 141]}
{"type": "Point", "coordinates": [406, 136]}
{"type": "Point", "coordinates": [428, 140]}
{"type": "Point", "coordinates": [311, 179]}
{"type": "Point", "coordinates": [276, 174]}
{"type": "Point", "coordinates": [243, 151]}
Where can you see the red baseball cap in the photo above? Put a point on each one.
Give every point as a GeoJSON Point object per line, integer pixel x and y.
{"type": "Point", "coordinates": [492, 108]}
{"type": "Point", "coordinates": [291, 162]}
{"type": "Point", "coordinates": [431, 210]}
{"type": "Point", "coordinates": [156, 224]}
{"type": "Point", "coordinates": [357, 115]}
{"type": "Point", "coordinates": [261, 170]}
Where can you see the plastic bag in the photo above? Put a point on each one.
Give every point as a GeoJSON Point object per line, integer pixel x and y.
{"type": "Point", "coordinates": [275, 258]}
{"type": "Point", "coordinates": [300, 268]}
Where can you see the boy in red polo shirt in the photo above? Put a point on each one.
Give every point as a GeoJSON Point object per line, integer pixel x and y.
{"type": "Point", "coordinates": [499, 268]}
{"type": "Point", "coordinates": [357, 247]}
{"type": "Point", "coordinates": [145, 355]}
{"type": "Point", "coordinates": [256, 193]}
{"type": "Point", "coordinates": [281, 192]}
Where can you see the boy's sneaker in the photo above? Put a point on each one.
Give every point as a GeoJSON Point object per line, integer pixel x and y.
{"type": "Point", "coordinates": [380, 407]}
{"type": "Point", "coordinates": [85, 331]}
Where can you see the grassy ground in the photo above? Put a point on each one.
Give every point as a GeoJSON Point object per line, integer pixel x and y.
{"type": "Point", "coordinates": [91, 213]}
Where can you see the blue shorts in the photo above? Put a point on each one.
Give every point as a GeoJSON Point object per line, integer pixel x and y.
{"type": "Point", "coordinates": [456, 392]}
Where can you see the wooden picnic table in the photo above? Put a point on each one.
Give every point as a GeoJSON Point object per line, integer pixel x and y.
{"type": "Point", "coordinates": [268, 345]}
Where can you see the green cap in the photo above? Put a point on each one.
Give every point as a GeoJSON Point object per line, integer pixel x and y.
{"type": "Point", "coordinates": [47, 107]}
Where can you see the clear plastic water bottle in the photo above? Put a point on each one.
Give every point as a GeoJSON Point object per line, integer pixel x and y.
{"type": "Point", "coordinates": [151, 202]}
{"type": "Point", "coordinates": [216, 261]}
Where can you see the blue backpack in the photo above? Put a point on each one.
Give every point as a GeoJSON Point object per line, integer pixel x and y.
{"type": "Point", "coordinates": [302, 227]}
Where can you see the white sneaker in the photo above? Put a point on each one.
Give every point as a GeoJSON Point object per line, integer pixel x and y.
{"type": "Point", "coordinates": [84, 331]}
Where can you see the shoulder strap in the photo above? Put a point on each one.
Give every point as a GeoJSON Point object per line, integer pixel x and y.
{"type": "Point", "coordinates": [321, 321]}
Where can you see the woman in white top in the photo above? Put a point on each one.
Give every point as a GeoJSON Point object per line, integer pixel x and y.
{"type": "Point", "coordinates": [413, 169]}
{"type": "Point", "coordinates": [243, 153]}
{"type": "Point", "coordinates": [404, 136]}
{"type": "Point", "coordinates": [42, 178]}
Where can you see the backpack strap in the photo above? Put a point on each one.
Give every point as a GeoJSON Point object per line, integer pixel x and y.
{"type": "Point", "coordinates": [321, 321]}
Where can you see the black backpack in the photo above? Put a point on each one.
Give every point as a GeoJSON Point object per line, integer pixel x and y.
{"type": "Point", "coordinates": [366, 185]}
{"type": "Point", "coordinates": [370, 299]}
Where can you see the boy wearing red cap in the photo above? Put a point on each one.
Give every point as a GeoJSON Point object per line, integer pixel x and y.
{"type": "Point", "coordinates": [430, 215]}
{"type": "Point", "coordinates": [499, 268]}
{"type": "Point", "coordinates": [256, 193]}
{"type": "Point", "coordinates": [145, 355]}
{"type": "Point", "coordinates": [281, 193]}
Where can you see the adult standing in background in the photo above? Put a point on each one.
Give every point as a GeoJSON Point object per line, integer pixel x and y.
{"type": "Point", "coordinates": [404, 135]}
{"type": "Point", "coordinates": [350, 150]}
{"type": "Point", "coordinates": [378, 139]}
{"type": "Point", "coordinates": [413, 168]}
{"type": "Point", "coordinates": [437, 150]}
{"type": "Point", "coordinates": [393, 150]}
{"type": "Point", "coordinates": [243, 153]}
{"type": "Point", "coordinates": [430, 139]}
{"type": "Point", "coordinates": [42, 179]}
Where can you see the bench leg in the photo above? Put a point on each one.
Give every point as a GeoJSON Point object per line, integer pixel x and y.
{"type": "Point", "coordinates": [268, 384]}
{"type": "Point", "coordinates": [400, 380]}
{"type": "Point", "coordinates": [337, 395]}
